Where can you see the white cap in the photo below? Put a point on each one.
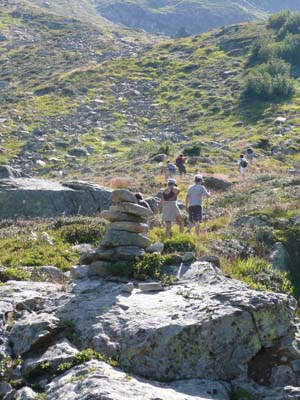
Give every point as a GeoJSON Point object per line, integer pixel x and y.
{"type": "Point", "coordinates": [198, 177]}
{"type": "Point", "coordinates": [171, 181]}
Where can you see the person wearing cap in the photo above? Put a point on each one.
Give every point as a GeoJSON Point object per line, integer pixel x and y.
{"type": "Point", "coordinates": [170, 209]}
{"type": "Point", "coordinates": [193, 203]}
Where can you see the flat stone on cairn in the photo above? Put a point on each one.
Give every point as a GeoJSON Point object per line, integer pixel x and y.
{"type": "Point", "coordinates": [126, 238]}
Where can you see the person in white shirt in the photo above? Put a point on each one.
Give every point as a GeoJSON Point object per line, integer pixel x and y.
{"type": "Point", "coordinates": [193, 203]}
{"type": "Point", "coordinates": [243, 164]}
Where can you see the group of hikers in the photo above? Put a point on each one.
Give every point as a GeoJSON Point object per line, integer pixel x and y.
{"type": "Point", "coordinates": [171, 169]}
{"type": "Point", "coordinates": [194, 198]}
{"type": "Point", "coordinates": [193, 202]}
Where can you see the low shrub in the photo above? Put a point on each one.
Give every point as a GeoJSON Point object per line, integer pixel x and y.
{"type": "Point", "coordinates": [82, 357]}
{"type": "Point", "coordinates": [269, 82]}
{"type": "Point", "coordinates": [151, 267]}
{"type": "Point", "coordinates": [193, 150]}
{"type": "Point", "coordinates": [83, 233]}
{"type": "Point", "coordinates": [148, 267]}
{"type": "Point", "coordinates": [179, 243]}
{"type": "Point", "coordinates": [260, 275]}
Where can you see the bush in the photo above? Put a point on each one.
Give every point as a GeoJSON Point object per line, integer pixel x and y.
{"type": "Point", "coordinates": [151, 266]}
{"type": "Point", "coordinates": [180, 243]}
{"type": "Point", "coordinates": [276, 21]}
{"type": "Point", "coordinates": [260, 275]}
{"type": "Point", "coordinates": [148, 267]}
{"type": "Point", "coordinates": [269, 81]}
{"type": "Point", "coordinates": [83, 233]}
{"type": "Point", "coordinates": [194, 150]}
{"type": "Point", "coordinates": [263, 50]}
{"type": "Point", "coordinates": [289, 49]}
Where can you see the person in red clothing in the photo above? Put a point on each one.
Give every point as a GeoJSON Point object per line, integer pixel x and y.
{"type": "Point", "coordinates": [180, 161]}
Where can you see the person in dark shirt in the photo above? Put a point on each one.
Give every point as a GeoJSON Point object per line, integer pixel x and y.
{"type": "Point", "coordinates": [141, 201]}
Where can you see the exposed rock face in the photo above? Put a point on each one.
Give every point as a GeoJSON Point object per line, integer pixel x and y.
{"type": "Point", "coordinates": [105, 382]}
{"type": "Point", "coordinates": [30, 198]}
{"type": "Point", "coordinates": [125, 240]}
{"type": "Point", "coordinates": [200, 16]}
{"type": "Point", "coordinates": [208, 336]}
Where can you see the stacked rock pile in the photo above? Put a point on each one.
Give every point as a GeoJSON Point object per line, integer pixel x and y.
{"type": "Point", "coordinates": [126, 238]}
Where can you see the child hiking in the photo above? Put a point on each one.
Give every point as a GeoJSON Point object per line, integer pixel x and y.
{"type": "Point", "coordinates": [170, 170]}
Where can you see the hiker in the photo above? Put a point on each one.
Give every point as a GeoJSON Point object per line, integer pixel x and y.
{"type": "Point", "coordinates": [141, 201]}
{"type": "Point", "coordinates": [193, 203]}
{"type": "Point", "coordinates": [170, 210]}
{"type": "Point", "coordinates": [250, 155]}
{"type": "Point", "coordinates": [170, 170]}
{"type": "Point", "coordinates": [243, 164]}
{"type": "Point", "coordinates": [180, 160]}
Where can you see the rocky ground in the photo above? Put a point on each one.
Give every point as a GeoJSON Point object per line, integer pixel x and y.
{"type": "Point", "coordinates": [206, 337]}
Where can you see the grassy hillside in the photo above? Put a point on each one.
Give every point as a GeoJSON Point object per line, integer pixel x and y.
{"type": "Point", "coordinates": [77, 115]}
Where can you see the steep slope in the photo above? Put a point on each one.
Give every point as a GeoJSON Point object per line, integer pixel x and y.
{"type": "Point", "coordinates": [171, 17]}
{"type": "Point", "coordinates": [196, 16]}
{"type": "Point", "coordinates": [89, 111]}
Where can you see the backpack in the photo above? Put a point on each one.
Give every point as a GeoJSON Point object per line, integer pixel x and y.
{"type": "Point", "coordinates": [172, 168]}
{"type": "Point", "coordinates": [244, 163]}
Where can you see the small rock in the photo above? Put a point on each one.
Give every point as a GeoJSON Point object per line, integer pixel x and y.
{"type": "Point", "coordinates": [80, 272]}
{"type": "Point", "coordinates": [123, 195]}
{"type": "Point", "coordinates": [189, 257]}
{"type": "Point", "coordinates": [212, 260]}
{"type": "Point", "coordinates": [26, 393]}
{"type": "Point", "coordinates": [122, 238]}
{"type": "Point", "coordinates": [280, 120]}
{"type": "Point", "coordinates": [131, 208]}
{"type": "Point", "coordinates": [5, 388]}
{"type": "Point", "coordinates": [159, 157]}
{"type": "Point", "coordinates": [128, 287]}
{"type": "Point", "coordinates": [120, 216]}
{"type": "Point", "coordinates": [150, 287]}
{"type": "Point", "coordinates": [128, 226]}
{"type": "Point", "coordinates": [279, 257]}
{"type": "Point", "coordinates": [157, 247]}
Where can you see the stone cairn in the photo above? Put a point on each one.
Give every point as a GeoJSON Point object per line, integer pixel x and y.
{"type": "Point", "coordinates": [126, 238]}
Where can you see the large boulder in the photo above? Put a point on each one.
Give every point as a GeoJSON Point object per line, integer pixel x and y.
{"type": "Point", "coordinates": [208, 327]}
{"type": "Point", "coordinates": [26, 197]}
{"type": "Point", "coordinates": [208, 336]}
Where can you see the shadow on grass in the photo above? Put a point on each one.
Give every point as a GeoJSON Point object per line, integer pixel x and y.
{"type": "Point", "coordinates": [252, 111]}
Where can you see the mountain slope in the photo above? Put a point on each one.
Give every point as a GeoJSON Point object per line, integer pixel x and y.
{"type": "Point", "coordinates": [166, 16]}
{"type": "Point", "coordinates": [96, 109]}
{"type": "Point", "coordinates": [196, 16]}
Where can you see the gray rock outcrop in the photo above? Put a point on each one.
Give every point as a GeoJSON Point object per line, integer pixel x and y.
{"type": "Point", "coordinates": [208, 336]}
{"type": "Point", "coordinates": [126, 238]}
{"type": "Point", "coordinates": [31, 198]}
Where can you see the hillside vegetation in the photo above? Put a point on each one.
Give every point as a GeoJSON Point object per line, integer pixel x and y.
{"type": "Point", "coordinates": [102, 109]}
